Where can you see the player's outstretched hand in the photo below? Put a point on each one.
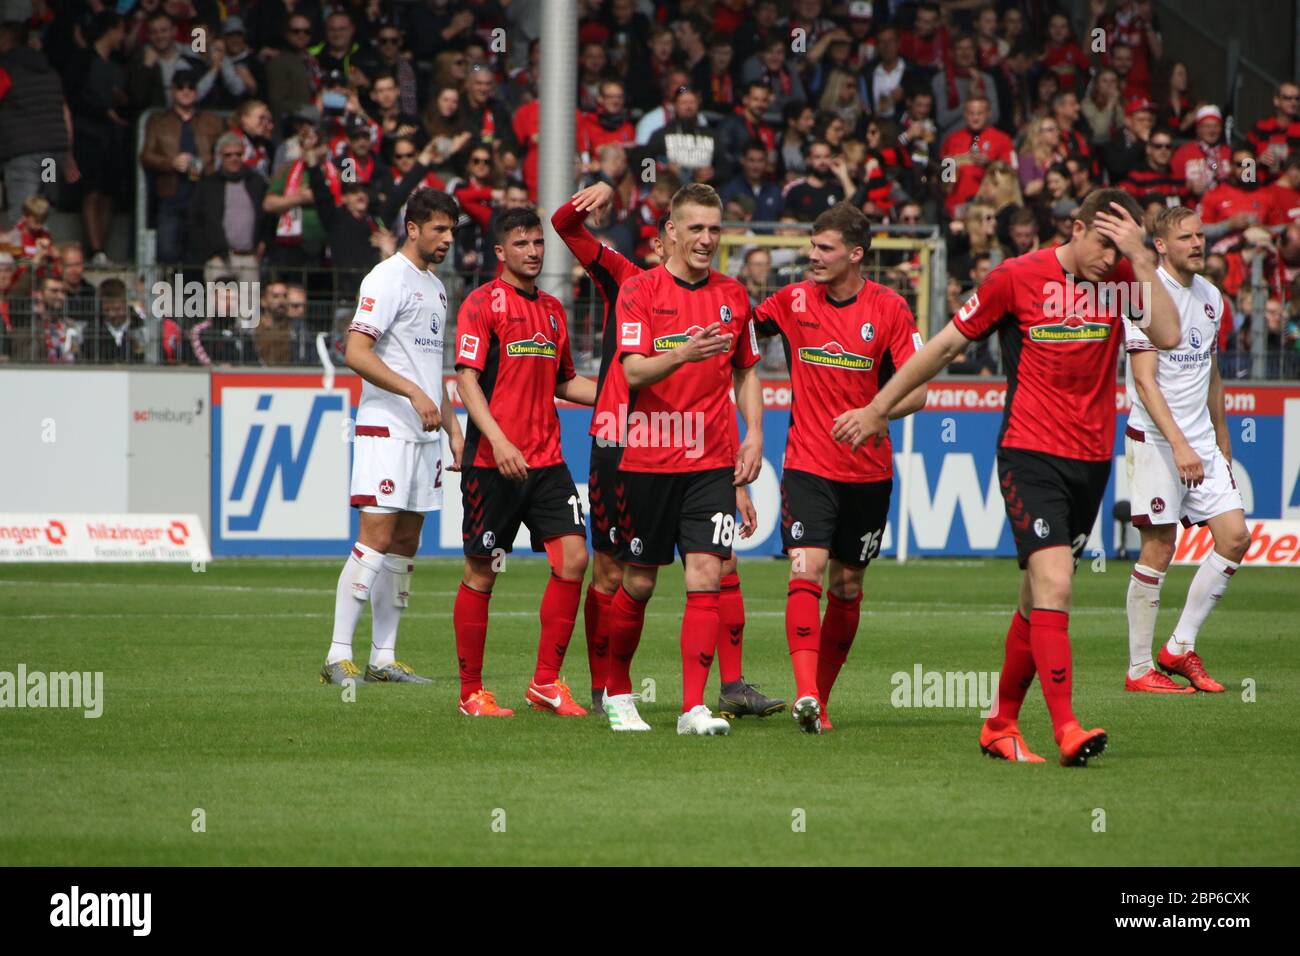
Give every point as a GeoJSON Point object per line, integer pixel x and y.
{"type": "Point", "coordinates": [749, 460]}
{"type": "Point", "coordinates": [748, 514]}
{"type": "Point", "coordinates": [1191, 470]}
{"type": "Point", "coordinates": [428, 410]}
{"type": "Point", "coordinates": [858, 424]}
{"type": "Point", "coordinates": [457, 451]}
{"type": "Point", "coordinates": [510, 461]}
{"type": "Point", "coordinates": [705, 344]}
{"type": "Point", "coordinates": [1123, 230]}
{"type": "Point", "coordinates": [593, 198]}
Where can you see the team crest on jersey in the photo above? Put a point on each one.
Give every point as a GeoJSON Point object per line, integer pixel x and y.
{"type": "Point", "coordinates": [1042, 528]}
{"type": "Point", "coordinates": [666, 343]}
{"type": "Point", "coordinates": [636, 546]}
{"type": "Point", "coordinates": [796, 530]}
{"type": "Point", "coordinates": [433, 324]}
{"type": "Point", "coordinates": [1195, 338]}
{"type": "Point", "coordinates": [836, 356]}
{"type": "Point", "coordinates": [868, 331]}
{"type": "Point", "coordinates": [489, 539]}
{"type": "Point", "coordinates": [724, 313]}
{"type": "Point", "coordinates": [613, 535]}
{"type": "Point", "coordinates": [539, 346]}
{"type": "Point", "coordinates": [1209, 311]}
{"type": "Point", "coordinates": [1157, 506]}
{"type": "Point", "coordinates": [555, 326]}
{"type": "Point", "coordinates": [386, 486]}
{"type": "Point", "coordinates": [1072, 328]}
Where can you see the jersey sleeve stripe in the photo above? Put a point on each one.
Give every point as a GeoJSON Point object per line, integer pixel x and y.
{"type": "Point", "coordinates": [364, 329]}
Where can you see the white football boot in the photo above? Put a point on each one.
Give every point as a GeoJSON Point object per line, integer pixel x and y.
{"type": "Point", "coordinates": [807, 713]}
{"type": "Point", "coordinates": [622, 714]}
{"type": "Point", "coordinates": [698, 720]}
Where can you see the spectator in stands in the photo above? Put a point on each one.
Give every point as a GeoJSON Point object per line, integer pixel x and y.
{"type": "Point", "coordinates": [387, 58]}
{"type": "Point", "coordinates": [1066, 110]}
{"type": "Point", "coordinates": [592, 64]}
{"type": "Point", "coordinates": [972, 236]}
{"type": "Point", "coordinates": [689, 149]}
{"type": "Point", "coordinates": [752, 181]}
{"type": "Point", "coordinates": [1103, 107]}
{"type": "Point", "coordinates": [1283, 196]}
{"type": "Point", "coordinates": [769, 66]}
{"type": "Point", "coordinates": [13, 336]}
{"type": "Point", "coordinates": [295, 306]}
{"type": "Point", "coordinates": [149, 77]}
{"type": "Point", "coordinates": [1022, 232]}
{"type": "Point", "coordinates": [340, 49]}
{"type": "Point", "coordinates": [98, 99]}
{"type": "Point", "coordinates": [1062, 57]}
{"type": "Point", "coordinates": [653, 120]}
{"type": "Point", "coordinates": [178, 145]}
{"type": "Point", "coordinates": [1132, 37]}
{"type": "Point", "coordinates": [1128, 150]}
{"type": "Point", "coordinates": [1042, 149]}
{"type": "Point", "coordinates": [746, 123]}
{"type": "Point", "coordinates": [798, 121]}
{"type": "Point", "coordinates": [972, 148]}
{"type": "Point", "coordinates": [1176, 106]}
{"type": "Point", "coordinates": [658, 59]}
{"type": "Point", "coordinates": [959, 82]}
{"type": "Point", "coordinates": [254, 125]}
{"type": "Point", "coordinates": [239, 73]}
{"type": "Point", "coordinates": [273, 336]}
{"type": "Point", "coordinates": [485, 115]}
{"type": "Point", "coordinates": [1273, 136]}
{"type": "Point", "coordinates": [925, 46]}
{"type": "Point", "coordinates": [220, 339]}
{"type": "Point", "coordinates": [80, 294]}
{"type": "Point", "coordinates": [117, 337]}
{"type": "Point", "coordinates": [448, 132]}
{"type": "Point", "coordinates": [34, 121]}
{"type": "Point", "coordinates": [826, 181]}
{"type": "Point", "coordinates": [297, 237]}
{"type": "Point", "coordinates": [386, 95]}
{"type": "Point", "coordinates": [1206, 161]}
{"type": "Point", "coordinates": [886, 76]}
{"type": "Point", "coordinates": [990, 49]}
{"type": "Point", "coordinates": [58, 340]}
{"type": "Point", "coordinates": [225, 228]}
{"type": "Point", "coordinates": [1001, 189]}
{"type": "Point", "coordinates": [1063, 214]}
{"type": "Point", "coordinates": [32, 240]}
{"type": "Point", "coordinates": [1230, 208]}
{"type": "Point", "coordinates": [920, 135]}
{"type": "Point", "coordinates": [1156, 174]}
{"type": "Point", "coordinates": [608, 124]}
{"type": "Point", "coordinates": [1081, 182]}
{"type": "Point", "coordinates": [291, 75]}
{"type": "Point", "coordinates": [714, 76]}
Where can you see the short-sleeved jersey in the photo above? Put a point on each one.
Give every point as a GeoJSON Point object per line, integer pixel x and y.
{"type": "Point", "coordinates": [404, 309]}
{"type": "Point", "coordinates": [1060, 339]}
{"type": "Point", "coordinates": [687, 421]}
{"type": "Point", "coordinates": [519, 342]}
{"type": "Point", "coordinates": [1182, 373]}
{"type": "Point", "coordinates": [840, 355]}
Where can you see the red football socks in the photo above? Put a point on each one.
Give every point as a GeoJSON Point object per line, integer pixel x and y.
{"type": "Point", "coordinates": [839, 628]}
{"type": "Point", "coordinates": [731, 629]}
{"type": "Point", "coordinates": [597, 630]}
{"type": "Point", "coordinates": [699, 641]}
{"type": "Point", "coordinates": [470, 620]}
{"type": "Point", "coordinates": [1017, 672]}
{"type": "Point", "coordinates": [624, 621]}
{"type": "Point", "coordinates": [1049, 636]}
{"type": "Point", "coordinates": [559, 611]}
{"type": "Point", "coordinates": [803, 632]}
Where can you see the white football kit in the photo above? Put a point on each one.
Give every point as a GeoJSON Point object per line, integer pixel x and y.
{"type": "Point", "coordinates": [1157, 494]}
{"type": "Point", "coordinates": [396, 464]}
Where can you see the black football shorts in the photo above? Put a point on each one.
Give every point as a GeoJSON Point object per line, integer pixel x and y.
{"type": "Point", "coordinates": [845, 518]}
{"type": "Point", "coordinates": [546, 502]}
{"type": "Point", "coordinates": [689, 511]}
{"type": "Point", "coordinates": [1050, 501]}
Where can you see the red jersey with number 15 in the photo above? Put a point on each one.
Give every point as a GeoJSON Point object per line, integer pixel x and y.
{"type": "Point", "coordinates": [687, 421]}
{"type": "Point", "coordinates": [840, 355]}
{"type": "Point", "coordinates": [519, 342]}
{"type": "Point", "coordinates": [1060, 338]}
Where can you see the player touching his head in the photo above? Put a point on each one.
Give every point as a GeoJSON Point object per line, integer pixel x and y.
{"type": "Point", "coordinates": [1059, 314]}
{"type": "Point", "coordinates": [1179, 454]}
{"type": "Point", "coordinates": [844, 337]}
{"type": "Point", "coordinates": [684, 339]}
{"type": "Point", "coordinates": [512, 361]}
{"type": "Point", "coordinates": [608, 270]}
{"type": "Point", "coordinates": [395, 345]}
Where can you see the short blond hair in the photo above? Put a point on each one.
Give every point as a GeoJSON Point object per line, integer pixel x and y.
{"type": "Point", "coordinates": [36, 206]}
{"type": "Point", "coordinates": [696, 194]}
{"type": "Point", "coordinates": [1167, 219]}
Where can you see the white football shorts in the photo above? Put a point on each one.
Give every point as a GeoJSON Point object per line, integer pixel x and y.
{"type": "Point", "coordinates": [1158, 496]}
{"type": "Point", "coordinates": [392, 474]}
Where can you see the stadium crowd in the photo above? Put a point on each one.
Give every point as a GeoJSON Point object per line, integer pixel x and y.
{"type": "Point", "coordinates": [281, 138]}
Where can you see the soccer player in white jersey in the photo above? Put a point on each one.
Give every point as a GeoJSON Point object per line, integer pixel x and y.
{"type": "Point", "coordinates": [1179, 463]}
{"type": "Point", "coordinates": [395, 345]}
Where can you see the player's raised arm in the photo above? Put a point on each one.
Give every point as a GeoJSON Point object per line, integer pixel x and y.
{"type": "Point", "coordinates": [1162, 326]}
{"type": "Point", "coordinates": [569, 221]}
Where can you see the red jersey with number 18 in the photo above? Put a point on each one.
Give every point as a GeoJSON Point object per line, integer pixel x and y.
{"type": "Point", "coordinates": [1060, 338]}
{"type": "Point", "coordinates": [840, 354]}
{"type": "Point", "coordinates": [687, 421]}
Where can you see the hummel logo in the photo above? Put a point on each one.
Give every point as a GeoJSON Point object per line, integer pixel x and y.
{"type": "Point", "coordinates": [706, 660]}
{"type": "Point", "coordinates": [1058, 675]}
{"type": "Point", "coordinates": [560, 649]}
{"type": "Point", "coordinates": [803, 631]}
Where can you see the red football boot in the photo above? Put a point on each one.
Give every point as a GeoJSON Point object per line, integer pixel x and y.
{"type": "Point", "coordinates": [1154, 682]}
{"type": "Point", "coordinates": [1007, 743]}
{"type": "Point", "coordinates": [1188, 665]}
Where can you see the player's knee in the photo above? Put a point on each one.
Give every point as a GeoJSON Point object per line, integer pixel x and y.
{"type": "Point", "coordinates": [607, 574]}
{"type": "Point", "coordinates": [639, 582]}
{"type": "Point", "coordinates": [381, 540]}
{"type": "Point", "coordinates": [479, 574]}
{"type": "Point", "coordinates": [729, 566]}
{"type": "Point", "coordinates": [1158, 553]}
{"type": "Point", "coordinates": [1236, 545]}
{"type": "Point", "coordinates": [571, 564]}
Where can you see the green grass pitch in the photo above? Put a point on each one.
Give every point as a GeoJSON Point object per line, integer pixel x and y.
{"type": "Point", "coordinates": [212, 702]}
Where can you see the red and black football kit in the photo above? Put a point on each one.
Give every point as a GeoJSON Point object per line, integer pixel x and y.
{"type": "Point", "coordinates": [519, 343]}
{"type": "Point", "coordinates": [840, 354]}
{"type": "Point", "coordinates": [679, 436]}
{"type": "Point", "coordinates": [608, 271]}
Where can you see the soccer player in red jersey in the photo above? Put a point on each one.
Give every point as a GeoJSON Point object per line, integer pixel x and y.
{"type": "Point", "coordinates": [512, 362]}
{"type": "Point", "coordinates": [608, 270]}
{"type": "Point", "coordinates": [684, 337]}
{"type": "Point", "coordinates": [844, 335]}
{"type": "Point", "coordinates": [1058, 312]}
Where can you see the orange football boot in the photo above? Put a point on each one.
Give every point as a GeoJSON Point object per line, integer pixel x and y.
{"type": "Point", "coordinates": [482, 703]}
{"type": "Point", "coordinates": [554, 697]}
{"type": "Point", "coordinates": [1077, 745]}
{"type": "Point", "coordinates": [1154, 682]}
{"type": "Point", "coordinates": [1188, 665]}
{"type": "Point", "coordinates": [1007, 744]}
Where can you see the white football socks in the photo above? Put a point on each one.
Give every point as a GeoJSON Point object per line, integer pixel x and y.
{"type": "Point", "coordinates": [355, 584]}
{"type": "Point", "coordinates": [1208, 585]}
{"type": "Point", "coordinates": [1143, 607]}
{"type": "Point", "coordinates": [391, 593]}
